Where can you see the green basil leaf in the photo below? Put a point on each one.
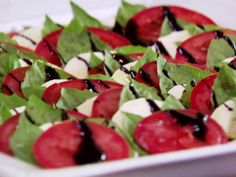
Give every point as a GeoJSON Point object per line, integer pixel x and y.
{"type": "Point", "coordinates": [148, 56]}
{"type": "Point", "coordinates": [4, 112]}
{"type": "Point", "coordinates": [21, 142]}
{"type": "Point", "coordinates": [98, 43]}
{"type": "Point", "coordinates": [49, 26]}
{"type": "Point", "coordinates": [94, 60]}
{"type": "Point", "coordinates": [8, 62]}
{"type": "Point", "coordinates": [225, 84]}
{"type": "Point", "coordinates": [126, 11]}
{"type": "Point", "coordinates": [131, 49]}
{"type": "Point", "coordinates": [12, 101]}
{"type": "Point", "coordinates": [171, 103]}
{"type": "Point", "coordinates": [100, 77]}
{"type": "Point", "coordinates": [111, 65]}
{"type": "Point", "coordinates": [71, 98]}
{"type": "Point", "coordinates": [5, 38]}
{"type": "Point", "coordinates": [41, 112]}
{"type": "Point", "coordinates": [83, 17]}
{"type": "Point", "coordinates": [73, 41]}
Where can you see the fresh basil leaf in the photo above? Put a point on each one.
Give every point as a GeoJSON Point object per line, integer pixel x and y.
{"type": "Point", "coordinates": [73, 40]}
{"type": "Point", "coordinates": [41, 112]}
{"type": "Point", "coordinates": [94, 60]}
{"type": "Point", "coordinates": [126, 11]}
{"type": "Point", "coordinates": [4, 112]}
{"type": "Point", "coordinates": [225, 84]}
{"type": "Point", "coordinates": [171, 103]}
{"type": "Point", "coordinates": [8, 62]}
{"type": "Point", "coordinates": [148, 56]}
{"type": "Point", "coordinates": [99, 45]}
{"type": "Point", "coordinates": [130, 122]}
{"type": "Point", "coordinates": [21, 142]}
{"type": "Point", "coordinates": [33, 80]}
{"type": "Point", "coordinates": [49, 26]}
{"type": "Point", "coordinates": [130, 49]}
{"type": "Point", "coordinates": [5, 38]}
{"type": "Point", "coordinates": [111, 65]}
{"type": "Point", "coordinates": [194, 29]}
{"type": "Point", "coordinates": [71, 98]}
{"type": "Point", "coordinates": [211, 27]}
{"type": "Point", "coordinates": [171, 74]}
{"type": "Point", "coordinates": [219, 50]}
{"type": "Point", "coordinates": [100, 77]}
{"type": "Point", "coordinates": [83, 17]}
{"type": "Point", "coordinates": [12, 101]}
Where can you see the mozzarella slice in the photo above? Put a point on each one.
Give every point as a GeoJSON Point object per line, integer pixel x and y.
{"type": "Point", "coordinates": [225, 116]}
{"type": "Point", "coordinates": [169, 41]}
{"type": "Point", "coordinates": [177, 91]}
{"type": "Point", "coordinates": [28, 38]}
{"type": "Point", "coordinates": [78, 66]}
{"type": "Point", "coordinates": [17, 110]}
{"type": "Point", "coordinates": [138, 106]}
{"type": "Point", "coordinates": [86, 107]}
{"type": "Point", "coordinates": [121, 75]}
{"type": "Point", "coordinates": [48, 125]}
{"type": "Point", "coordinates": [54, 81]}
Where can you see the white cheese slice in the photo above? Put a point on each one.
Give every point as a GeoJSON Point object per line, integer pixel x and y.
{"type": "Point", "coordinates": [86, 107]}
{"type": "Point", "coordinates": [51, 82]}
{"type": "Point", "coordinates": [225, 115]}
{"type": "Point", "coordinates": [48, 125]}
{"type": "Point", "coordinates": [177, 91]}
{"type": "Point", "coordinates": [138, 106]}
{"type": "Point", "coordinates": [169, 41]}
{"type": "Point", "coordinates": [17, 110]}
{"type": "Point", "coordinates": [25, 37]}
{"type": "Point", "coordinates": [121, 76]}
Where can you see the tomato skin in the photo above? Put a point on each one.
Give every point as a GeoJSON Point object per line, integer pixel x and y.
{"type": "Point", "coordinates": [200, 98]}
{"type": "Point", "coordinates": [6, 130]}
{"type": "Point", "coordinates": [160, 133]}
{"type": "Point", "coordinates": [111, 38]}
{"type": "Point", "coordinates": [106, 104]}
{"type": "Point", "coordinates": [47, 48]}
{"type": "Point", "coordinates": [145, 26]}
{"type": "Point", "coordinates": [12, 81]}
{"type": "Point", "coordinates": [57, 146]}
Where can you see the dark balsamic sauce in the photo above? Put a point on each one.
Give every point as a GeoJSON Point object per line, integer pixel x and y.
{"type": "Point", "coordinates": [108, 70]}
{"type": "Point", "coordinates": [89, 85]}
{"type": "Point", "coordinates": [27, 61]}
{"type": "Point", "coordinates": [161, 48]}
{"type": "Point", "coordinates": [145, 76]}
{"type": "Point", "coordinates": [93, 46]}
{"type": "Point", "coordinates": [89, 151]}
{"type": "Point", "coordinates": [27, 38]}
{"type": "Point", "coordinates": [133, 74]}
{"type": "Point", "coordinates": [186, 54]}
{"type": "Point", "coordinates": [192, 83]}
{"type": "Point", "coordinates": [228, 107]}
{"type": "Point", "coordinates": [167, 75]}
{"type": "Point", "coordinates": [51, 74]}
{"type": "Point", "coordinates": [125, 70]}
{"type": "Point", "coordinates": [83, 60]}
{"type": "Point", "coordinates": [117, 28]}
{"type": "Point", "coordinates": [64, 115]}
{"type": "Point", "coordinates": [232, 64]}
{"type": "Point", "coordinates": [132, 89]}
{"type": "Point", "coordinates": [153, 106]}
{"type": "Point", "coordinates": [29, 118]}
{"type": "Point", "coordinates": [103, 84]}
{"type": "Point", "coordinates": [198, 122]}
{"type": "Point", "coordinates": [214, 100]}
{"type": "Point", "coordinates": [121, 59]}
{"type": "Point", "coordinates": [171, 19]}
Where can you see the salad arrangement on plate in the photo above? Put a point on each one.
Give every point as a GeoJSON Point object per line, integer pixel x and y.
{"type": "Point", "coordinates": [161, 79]}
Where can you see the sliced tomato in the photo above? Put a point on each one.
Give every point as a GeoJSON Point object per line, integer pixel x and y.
{"type": "Point", "coordinates": [47, 48]}
{"type": "Point", "coordinates": [111, 38]}
{"type": "Point", "coordinates": [12, 81]}
{"type": "Point", "coordinates": [53, 93]}
{"type": "Point", "coordinates": [145, 26]}
{"type": "Point", "coordinates": [166, 131]}
{"type": "Point", "coordinates": [97, 70]}
{"type": "Point", "coordinates": [202, 94]}
{"type": "Point", "coordinates": [59, 146]}
{"type": "Point", "coordinates": [6, 130]}
{"type": "Point", "coordinates": [106, 104]}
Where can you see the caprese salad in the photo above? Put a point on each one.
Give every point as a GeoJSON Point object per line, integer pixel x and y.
{"type": "Point", "coordinates": [161, 79]}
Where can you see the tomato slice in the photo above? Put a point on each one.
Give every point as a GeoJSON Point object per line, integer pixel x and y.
{"type": "Point", "coordinates": [201, 95]}
{"type": "Point", "coordinates": [111, 38]}
{"type": "Point", "coordinates": [145, 26]}
{"type": "Point", "coordinates": [12, 81]}
{"type": "Point", "coordinates": [166, 131]}
{"type": "Point", "coordinates": [75, 143]}
{"type": "Point", "coordinates": [6, 130]}
{"type": "Point", "coordinates": [47, 48]}
{"type": "Point", "coordinates": [106, 104]}
{"type": "Point", "coordinates": [53, 93]}
{"type": "Point", "coordinates": [97, 70]}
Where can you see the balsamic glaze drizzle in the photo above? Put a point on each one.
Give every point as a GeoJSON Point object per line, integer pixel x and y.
{"type": "Point", "coordinates": [125, 70]}
{"type": "Point", "coordinates": [121, 59]}
{"type": "Point", "coordinates": [83, 60]}
{"type": "Point", "coordinates": [27, 61]}
{"type": "Point", "coordinates": [27, 38]}
{"type": "Point", "coordinates": [64, 115]}
{"type": "Point", "coordinates": [228, 107]}
{"type": "Point", "coordinates": [213, 95]}
{"type": "Point", "coordinates": [145, 76]}
{"type": "Point", "coordinates": [51, 74]}
{"type": "Point", "coordinates": [197, 122]}
{"type": "Point", "coordinates": [133, 74]}
{"type": "Point", "coordinates": [171, 19]}
{"type": "Point", "coordinates": [132, 89]}
{"type": "Point", "coordinates": [161, 48]}
{"type": "Point", "coordinates": [232, 64]}
{"type": "Point", "coordinates": [89, 151]}
{"type": "Point", "coordinates": [93, 46]}
{"type": "Point", "coordinates": [89, 85]}
{"type": "Point", "coordinates": [103, 84]}
{"type": "Point", "coordinates": [153, 106]}
{"type": "Point", "coordinates": [192, 83]}
{"type": "Point", "coordinates": [108, 70]}
{"type": "Point", "coordinates": [29, 118]}
{"type": "Point", "coordinates": [186, 54]}
{"type": "Point", "coordinates": [167, 75]}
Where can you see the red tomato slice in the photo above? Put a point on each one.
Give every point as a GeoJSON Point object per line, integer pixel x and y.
{"type": "Point", "coordinates": [97, 70]}
{"type": "Point", "coordinates": [111, 38]}
{"type": "Point", "coordinates": [106, 104]}
{"type": "Point", "coordinates": [47, 48]}
{"type": "Point", "coordinates": [201, 95]}
{"type": "Point", "coordinates": [53, 93]}
{"type": "Point", "coordinates": [6, 130]}
{"type": "Point", "coordinates": [145, 26]}
{"type": "Point", "coordinates": [12, 81]}
{"type": "Point", "coordinates": [60, 145]}
{"type": "Point", "coordinates": [163, 132]}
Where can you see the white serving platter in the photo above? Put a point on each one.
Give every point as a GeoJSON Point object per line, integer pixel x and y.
{"type": "Point", "coordinates": [213, 161]}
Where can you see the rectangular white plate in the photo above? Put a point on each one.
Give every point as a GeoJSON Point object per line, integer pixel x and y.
{"type": "Point", "coordinates": [211, 161]}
